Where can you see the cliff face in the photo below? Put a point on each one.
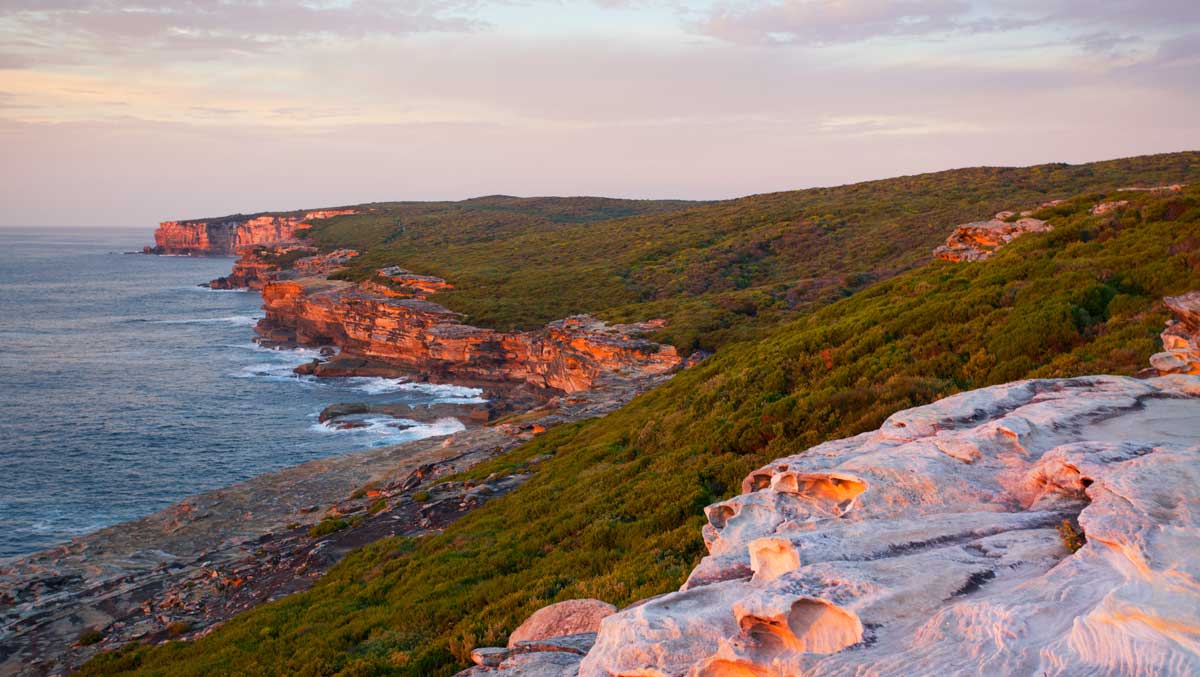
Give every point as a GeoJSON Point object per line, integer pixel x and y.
{"type": "Point", "coordinates": [937, 545]}
{"type": "Point", "coordinates": [416, 334]}
{"type": "Point", "coordinates": [225, 237]}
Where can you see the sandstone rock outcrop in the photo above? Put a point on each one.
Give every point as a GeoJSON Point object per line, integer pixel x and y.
{"type": "Point", "coordinates": [930, 546]}
{"type": "Point", "coordinates": [227, 236]}
{"type": "Point", "coordinates": [980, 240]}
{"type": "Point", "coordinates": [1108, 207]}
{"type": "Point", "coordinates": [571, 617]}
{"type": "Point", "coordinates": [403, 282]}
{"type": "Point", "coordinates": [419, 335]}
{"type": "Point", "coordinates": [1181, 339]}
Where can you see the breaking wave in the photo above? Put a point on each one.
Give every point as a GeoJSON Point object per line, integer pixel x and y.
{"type": "Point", "coordinates": [386, 430]}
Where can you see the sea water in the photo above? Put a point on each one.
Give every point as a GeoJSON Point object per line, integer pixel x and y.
{"type": "Point", "coordinates": [125, 387]}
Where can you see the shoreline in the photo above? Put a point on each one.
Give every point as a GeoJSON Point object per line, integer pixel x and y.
{"type": "Point", "coordinates": [182, 571]}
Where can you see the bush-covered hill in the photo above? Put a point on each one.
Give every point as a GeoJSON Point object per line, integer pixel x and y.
{"type": "Point", "coordinates": [616, 513]}
{"type": "Point", "coordinates": [718, 271]}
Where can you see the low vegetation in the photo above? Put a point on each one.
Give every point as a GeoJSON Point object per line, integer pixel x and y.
{"type": "Point", "coordinates": [616, 512]}
{"type": "Point", "coordinates": [720, 272]}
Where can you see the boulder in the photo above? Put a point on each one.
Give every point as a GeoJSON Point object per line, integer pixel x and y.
{"type": "Point", "coordinates": [571, 617]}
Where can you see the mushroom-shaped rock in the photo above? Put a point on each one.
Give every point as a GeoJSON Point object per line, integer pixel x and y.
{"type": "Point", "coordinates": [572, 617]}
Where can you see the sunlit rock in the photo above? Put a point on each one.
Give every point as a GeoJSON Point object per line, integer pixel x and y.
{"type": "Point", "coordinates": [933, 546]}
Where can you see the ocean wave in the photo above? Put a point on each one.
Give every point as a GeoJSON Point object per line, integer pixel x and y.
{"type": "Point", "coordinates": [238, 320]}
{"type": "Point", "coordinates": [209, 290]}
{"type": "Point", "coordinates": [439, 392]}
{"type": "Point", "coordinates": [386, 430]}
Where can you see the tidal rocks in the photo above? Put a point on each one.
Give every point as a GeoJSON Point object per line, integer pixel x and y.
{"type": "Point", "coordinates": [1181, 339]}
{"type": "Point", "coordinates": [980, 240]}
{"type": "Point", "coordinates": [564, 618]}
{"type": "Point", "coordinates": [931, 546]}
{"type": "Point", "coordinates": [418, 335]}
{"type": "Point", "coordinates": [226, 236]}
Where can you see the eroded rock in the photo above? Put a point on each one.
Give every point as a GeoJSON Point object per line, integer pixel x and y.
{"type": "Point", "coordinates": [931, 546]}
{"type": "Point", "coordinates": [980, 240]}
{"type": "Point", "coordinates": [1181, 338]}
{"type": "Point", "coordinates": [424, 337]}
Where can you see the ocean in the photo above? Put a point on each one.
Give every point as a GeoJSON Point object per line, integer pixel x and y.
{"type": "Point", "coordinates": [125, 387]}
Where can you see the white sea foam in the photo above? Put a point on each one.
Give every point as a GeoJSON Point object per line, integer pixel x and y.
{"type": "Point", "coordinates": [439, 392]}
{"type": "Point", "coordinates": [210, 290]}
{"type": "Point", "coordinates": [385, 430]}
{"type": "Point", "coordinates": [238, 320]}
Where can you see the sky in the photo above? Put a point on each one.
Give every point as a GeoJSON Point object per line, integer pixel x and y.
{"type": "Point", "coordinates": [129, 113]}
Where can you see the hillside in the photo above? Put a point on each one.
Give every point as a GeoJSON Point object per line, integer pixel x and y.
{"type": "Point", "coordinates": [616, 512]}
{"type": "Point", "coordinates": [717, 271]}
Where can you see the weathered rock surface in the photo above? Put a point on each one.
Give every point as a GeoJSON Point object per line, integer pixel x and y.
{"type": "Point", "coordinates": [980, 240]}
{"type": "Point", "coordinates": [564, 618]}
{"type": "Point", "coordinates": [226, 236]}
{"type": "Point", "coordinates": [930, 546]}
{"type": "Point", "coordinates": [1181, 339]}
{"type": "Point", "coordinates": [422, 336]}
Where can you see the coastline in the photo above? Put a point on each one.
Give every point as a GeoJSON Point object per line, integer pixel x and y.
{"type": "Point", "coordinates": [182, 571]}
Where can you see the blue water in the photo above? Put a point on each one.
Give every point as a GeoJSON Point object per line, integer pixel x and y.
{"type": "Point", "coordinates": [124, 387]}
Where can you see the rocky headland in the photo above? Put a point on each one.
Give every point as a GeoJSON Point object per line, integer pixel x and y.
{"type": "Point", "coordinates": [387, 325]}
{"type": "Point", "coordinates": [228, 235]}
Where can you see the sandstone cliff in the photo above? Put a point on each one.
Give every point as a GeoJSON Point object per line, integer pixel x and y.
{"type": "Point", "coordinates": [943, 542]}
{"type": "Point", "coordinates": [419, 335]}
{"type": "Point", "coordinates": [225, 237]}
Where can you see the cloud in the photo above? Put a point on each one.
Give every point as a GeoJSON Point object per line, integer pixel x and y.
{"type": "Point", "coordinates": [1094, 25]}
{"type": "Point", "coordinates": [203, 27]}
{"type": "Point", "coordinates": [824, 22]}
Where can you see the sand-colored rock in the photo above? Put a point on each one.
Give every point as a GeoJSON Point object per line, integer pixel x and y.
{"type": "Point", "coordinates": [1108, 207]}
{"type": "Point", "coordinates": [930, 546]}
{"type": "Point", "coordinates": [1181, 338]}
{"type": "Point", "coordinates": [572, 617]}
{"type": "Point", "coordinates": [422, 336]}
{"type": "Point", "coordinates": [980, 240]}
